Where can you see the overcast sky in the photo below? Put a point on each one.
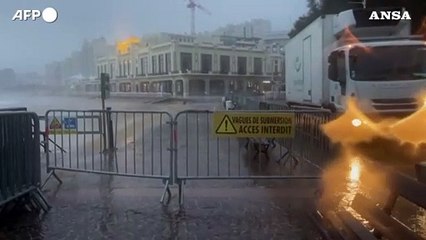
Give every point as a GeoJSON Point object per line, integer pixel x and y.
{"type": "Point", "coordinates": [27, 46]}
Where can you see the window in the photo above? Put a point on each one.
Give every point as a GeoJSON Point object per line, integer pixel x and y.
{"type": "Point", "coordinates": [257, 66]}
{"type": "Point", "coordinates": [127, 68]}
{"type": "Point", "coordinates": [154, 65]}
{"type": "Point", "coordinates": [341, 71]}
{"type": "Point", "coordinates": [120, 69]}
{"type": "Point", "coordinates": [129, 72]}
{"type": "Point", "coordinates": [185, 62]}
{"type": "Point", "coordinates": [111, 70]}
{"type": "Point", "coordinates": [225, 64]}
{"type": "Point", "coordinates": [276, 66]}
{"type": "Point", "coordinates": [142, 66]}
{"type": "Point", "coordinates": [161, 63]}
{"type": "Point", "coordinates": [206, 63]}
{"type": "Point", "coordinates": [380, 64]}
{"type": "Point", "coordinates": [168, 62]}
{"type": "Point", "coordinates": [341, 68]}
{"type": "Point", "coordinates": [242, 65]}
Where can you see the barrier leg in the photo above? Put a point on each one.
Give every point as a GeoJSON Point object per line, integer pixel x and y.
{"type": "Point", "coordinates": [272, 141]}
{"type": "Point", "coordinates": [44, 145]}
{"type": "Point", "coordinates": [51, 173]}
{"type": "Point", "coordinates": [166, 191]}
{"type": "Point", "coordinates": [56, 145]}
{"type": "Point", "coordinates": [180, 185]}
{"type": "Point", "coordinates": [247, 143]}
{"type": "Point", "coordinates": [41, 200]}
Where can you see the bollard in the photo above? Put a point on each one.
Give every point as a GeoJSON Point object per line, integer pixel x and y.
{"type": "Point", "coordinates": [421, 172]}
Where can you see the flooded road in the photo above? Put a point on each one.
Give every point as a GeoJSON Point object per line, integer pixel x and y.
{"type": "Point", "coordinates": [134, 213]}
{"type": "Point", "coordinates": [89, 206]}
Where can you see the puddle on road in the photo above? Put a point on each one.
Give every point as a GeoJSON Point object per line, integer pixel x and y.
{"type": "Point", "coordinates": [390, 142]}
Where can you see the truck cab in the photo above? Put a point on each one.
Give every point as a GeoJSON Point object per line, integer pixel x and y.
{"type": "Point", "coordinates": [378, 63]}
{"type": "Point", "coordinates": [383, 76]}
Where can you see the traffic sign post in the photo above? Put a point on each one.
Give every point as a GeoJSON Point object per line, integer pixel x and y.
{"type": "Point", "coordinates": [105, 86]}
{"type": "Point", "coordinates": [104, 95]}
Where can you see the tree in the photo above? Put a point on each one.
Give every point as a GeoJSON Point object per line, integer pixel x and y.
{"type": "Point", "coordinates": [305, 20]}
{"type": "Point", "coordinates": [317, 8]}
{"type": "Point", "coordinates": [416, 8]}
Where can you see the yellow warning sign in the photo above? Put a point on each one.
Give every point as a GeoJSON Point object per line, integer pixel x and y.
{"type": "Point", "coordinates": [55, 124]}
{"type": "Point", "coordinates": [226, 126]}
{"type": "Point", "coordinates": [254, 124]}
{"type": "Point", "coordinates": [58, 125]}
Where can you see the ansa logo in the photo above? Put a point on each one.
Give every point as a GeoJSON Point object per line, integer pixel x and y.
{"type": "Point", "coordinates": [389, 15]}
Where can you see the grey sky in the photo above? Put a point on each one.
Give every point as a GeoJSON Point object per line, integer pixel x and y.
{"type": "Point", "coordinates": [27, 46]}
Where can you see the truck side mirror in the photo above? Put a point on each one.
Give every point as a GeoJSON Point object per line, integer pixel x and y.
{"type": "Point", "coordinates": [332, 67]}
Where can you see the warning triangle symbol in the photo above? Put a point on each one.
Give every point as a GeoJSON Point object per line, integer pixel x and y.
{"type": "Point", "coordinates": [55, 124]}
{"type": "Point", "coordinates": [226, 126]}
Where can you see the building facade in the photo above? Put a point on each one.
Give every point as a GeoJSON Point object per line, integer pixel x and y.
{"type": "Point", "coordinates": [182, 66]}
{"type": "Point", "coordinates": [274, 43]}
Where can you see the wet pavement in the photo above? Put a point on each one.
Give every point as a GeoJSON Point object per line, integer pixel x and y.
{"type": "Point", "coordinates": [89, 206]}
{"type": "Point", "coordinates": [99, 207]}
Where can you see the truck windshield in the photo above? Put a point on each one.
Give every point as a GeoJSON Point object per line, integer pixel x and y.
{"type": "Point", "coordinates": [390, 63]}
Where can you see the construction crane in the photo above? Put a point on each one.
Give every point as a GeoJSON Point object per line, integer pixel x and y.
{"type": "Point", "coordinates": [193, 5]}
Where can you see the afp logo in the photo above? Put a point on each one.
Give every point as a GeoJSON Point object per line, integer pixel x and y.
{"type": "Point", "coordinates": [49, 15]}
{"type": "Point", "coordinates": [390, 15]}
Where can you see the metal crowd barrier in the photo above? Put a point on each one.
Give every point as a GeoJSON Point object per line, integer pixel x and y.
{"type": "Point", "coordinates": [309, 133]}
{"type": "Point", "coordinates": [20, 158]}
{"type": "Point", "coordinates": [154, 145]}
{"type": "Point", "coordinates": [18, 109]}
{"type": "Point", "coordinates": [199, 155]}
{"type": "Point", "coordinates": [120, 143]}
{"type": "Point", "coordinates": [309, 121]}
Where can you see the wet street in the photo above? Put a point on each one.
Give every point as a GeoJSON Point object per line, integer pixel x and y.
{"type": "Point", "coordinates": [103, 210]}
{"type": "Point", "coordinates": [90, 206]}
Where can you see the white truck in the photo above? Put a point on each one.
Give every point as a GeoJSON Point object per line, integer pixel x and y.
{"type": "Point", "coordinates": [348, 55]}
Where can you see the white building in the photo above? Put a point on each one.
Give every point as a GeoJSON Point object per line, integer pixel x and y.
{"type": "Point", "coordinates": [274, 43]}
{"type": "Point", "coordinates": [183, 66]}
